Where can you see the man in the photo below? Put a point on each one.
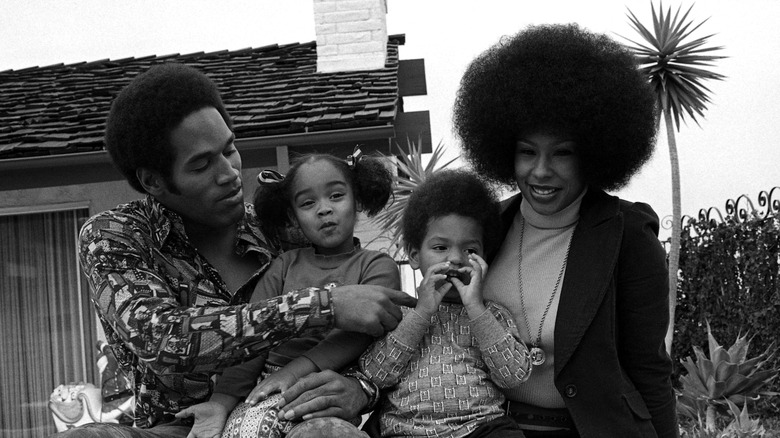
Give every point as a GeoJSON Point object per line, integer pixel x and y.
{"type": "Point", "coordinates": [169, 274]}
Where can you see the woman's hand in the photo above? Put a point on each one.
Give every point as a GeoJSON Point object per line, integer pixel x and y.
{"type": "Point", "coordinates": [323, 394]}
{"type": "Point", "coordinates": [432, 289]}
{"type": "Point", "coordinates": [471, 294]}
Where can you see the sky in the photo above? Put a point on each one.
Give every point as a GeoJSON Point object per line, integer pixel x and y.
{"type": "Point", "coordinates": [734, 150]}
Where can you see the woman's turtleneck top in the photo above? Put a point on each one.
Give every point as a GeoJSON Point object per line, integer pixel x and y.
{"type": "Point", "coordinates": [545, 243]}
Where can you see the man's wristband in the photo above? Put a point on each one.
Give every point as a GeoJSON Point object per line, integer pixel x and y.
{"type": "Point", "coordinates": [368, 387]}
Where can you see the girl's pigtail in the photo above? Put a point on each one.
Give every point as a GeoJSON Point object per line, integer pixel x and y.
{"type": "Point", "coordinates": [373, 182]}
{"type": "Point", "coordinates": [271, 202]}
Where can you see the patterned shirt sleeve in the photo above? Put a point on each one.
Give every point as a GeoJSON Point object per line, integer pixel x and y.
{"type": "Point", "coordinates": [506, 356]}
{"type": "Point", "coordinates": [170, 328]}
{"type": "Point", "coordinates": [386, 360]}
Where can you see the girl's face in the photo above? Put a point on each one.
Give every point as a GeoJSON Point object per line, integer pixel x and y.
{"type": "Point", "coordinates": [547, 172]}
{"type": "Point", "coordinates": [324, 207]}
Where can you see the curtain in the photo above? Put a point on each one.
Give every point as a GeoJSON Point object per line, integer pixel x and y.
{"type": "Point", "coordinates": [47, 325]}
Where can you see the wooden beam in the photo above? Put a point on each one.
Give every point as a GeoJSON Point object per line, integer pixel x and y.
{"type": "Point", "coordinates": [411, 77]}
{"type": "Point", "coordinates": [413, 126]}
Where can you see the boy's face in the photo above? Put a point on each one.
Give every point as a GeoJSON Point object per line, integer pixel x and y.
{"type": "Point", "coordinates": [448, 238]}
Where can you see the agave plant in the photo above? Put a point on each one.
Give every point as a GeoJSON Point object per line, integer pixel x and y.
{"type": "Point", "coordinates": [411, 172]}
{"type": "Point", "coordinates": [726, 377]}
{"type": "Point", "coordinates": [743, 426]}
{"type": "Point", "coordinates": [673, 64]}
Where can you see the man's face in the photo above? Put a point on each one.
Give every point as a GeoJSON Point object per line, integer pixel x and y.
{"type": "Point", "coordinates": [204, 187]}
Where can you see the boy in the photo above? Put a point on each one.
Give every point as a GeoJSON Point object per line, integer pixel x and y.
{"type": "Point", "coordinates": [442, 367]}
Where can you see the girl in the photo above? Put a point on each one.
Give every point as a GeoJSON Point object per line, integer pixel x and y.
{"type": "Point", "coordinates": [320, 196]}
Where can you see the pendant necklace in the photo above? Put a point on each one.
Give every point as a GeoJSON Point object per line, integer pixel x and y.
{"type": "Point", "coordinates": [538, 356]}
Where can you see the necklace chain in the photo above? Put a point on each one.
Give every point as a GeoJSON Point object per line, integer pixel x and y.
{"type": "Point", "coordinates": [536, 343]}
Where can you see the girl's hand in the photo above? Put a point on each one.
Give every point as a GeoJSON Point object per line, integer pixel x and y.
{"type": "Point", "coordinates": [471, 294]}
{"type": "Point", "coordinates": [432, 289]}
{"type": "Point", "coordinates": [278, 381]}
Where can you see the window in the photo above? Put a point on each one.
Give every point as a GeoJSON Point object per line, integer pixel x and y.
{"type": "Point", "coordinates": [47, 322]}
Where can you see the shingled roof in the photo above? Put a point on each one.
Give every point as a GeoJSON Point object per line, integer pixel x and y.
{"type": "Point", "coordinates": [271, 90]}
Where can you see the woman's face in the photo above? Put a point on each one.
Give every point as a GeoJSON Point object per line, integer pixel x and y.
{"type": "Point", "coordinates": [547, 171]}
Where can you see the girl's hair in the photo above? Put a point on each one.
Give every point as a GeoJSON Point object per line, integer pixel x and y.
{"type": "Point", "coordinates": [452, 191]}
{"type": "Point", "coordinates": [370, 179]}
{"type": "Point", "coordinates": [557, 79]}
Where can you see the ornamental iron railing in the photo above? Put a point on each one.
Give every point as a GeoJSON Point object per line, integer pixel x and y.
{"type": "Point", "coordinates": [738, 210]}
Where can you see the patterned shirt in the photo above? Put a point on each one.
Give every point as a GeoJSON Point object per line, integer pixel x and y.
{"type": "Point", "coordinates": [442, 376]}
{"type": "Point", "coordinates": [168, 315]}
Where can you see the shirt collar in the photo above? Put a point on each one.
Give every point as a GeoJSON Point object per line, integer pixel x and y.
{"type": "Point", "coordinates": [249, 237]}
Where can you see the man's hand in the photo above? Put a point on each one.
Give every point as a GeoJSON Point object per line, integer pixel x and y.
{"type": "Point", "coordinates": [323, 394]}
{"type": "Point", "coordinates": [368, 309]}
{"type": "Point", "coordinates": [278, 381]}
{"type": "Point", "coordinates": [210, 417]}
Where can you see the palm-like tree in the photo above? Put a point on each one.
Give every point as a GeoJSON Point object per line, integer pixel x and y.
{"type": "Point", "coordinates": [673, 63]}
{"type": "Point", "coordinates": [411, 173]}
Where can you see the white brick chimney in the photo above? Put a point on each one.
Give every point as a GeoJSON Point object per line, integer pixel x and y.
{"type": "Point", "coordinates": [351, 34]}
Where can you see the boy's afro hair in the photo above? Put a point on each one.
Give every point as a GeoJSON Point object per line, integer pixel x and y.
{"type": "Point", "coordinates": [557, 79]}
{"type": "Point", "coordinates": [452, 191]}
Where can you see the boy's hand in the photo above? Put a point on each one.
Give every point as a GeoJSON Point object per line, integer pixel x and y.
{"type": "Point", "coordinates": [210, 418]}
{"type": "Point", "coordinates": [432, 289]}
{"type": "Point", "coordinates": [471, 294]}
{"type": "Point", "coordinates": [278, 381]}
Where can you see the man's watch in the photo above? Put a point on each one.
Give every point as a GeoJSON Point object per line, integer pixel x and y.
{"type": "Point", "coordinates": [371, 390]}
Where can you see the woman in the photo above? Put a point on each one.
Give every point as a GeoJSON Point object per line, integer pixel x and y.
{"type": "Point", "coordinates": [565, 114]}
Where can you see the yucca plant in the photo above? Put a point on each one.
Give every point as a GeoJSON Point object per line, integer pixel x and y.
{"type": "Point", "coordinates": [673, 64]}
{"type": "Point", "coordinates": [726, 377]}
{"type": "Point", "coordinates": [411, 172]}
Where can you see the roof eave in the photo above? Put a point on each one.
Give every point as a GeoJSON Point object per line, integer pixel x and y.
{"type": "Point", "coordinates": [248, 144]}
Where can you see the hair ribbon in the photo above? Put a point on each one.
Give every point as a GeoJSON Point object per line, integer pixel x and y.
{"type": "Point", "coordinates": [269, 176]}
{"type": "Point", "coordinates": [353, 159]}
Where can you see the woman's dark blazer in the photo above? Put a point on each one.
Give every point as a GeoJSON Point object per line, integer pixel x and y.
{"type": "Point", "coordinates": [611, 366]}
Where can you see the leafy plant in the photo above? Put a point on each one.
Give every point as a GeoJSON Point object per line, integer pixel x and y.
{"type": "Point", "coordinates": [411, 172]}
{"type": "Point", "coordinates": [724, 378]}
{"type": "Point", "coordinates": [743, 426]}
{"type": "Point", "coordinates": [673, 65]}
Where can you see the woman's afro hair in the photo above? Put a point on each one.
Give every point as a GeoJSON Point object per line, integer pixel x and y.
{"type": "Point", "coordinates": [452, 191]}
{"type": "Point", "coordinates": [557, 79]}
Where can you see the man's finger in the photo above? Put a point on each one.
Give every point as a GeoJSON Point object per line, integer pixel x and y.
{"type": "Point", "coordinates": [308, 408]}
{"type": "Point", "coordinates": [394, 311]}
{"type": "Point", "coordinates": [302, 386]}
{"type": "Point", "coordinates": [401, 298]}
{"type": "Point", "coordinates": [183, 413]}
{"type": "Point", "coordinates": [388, 321]}
{"type": "Point", "coordinates": [329, 412]}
